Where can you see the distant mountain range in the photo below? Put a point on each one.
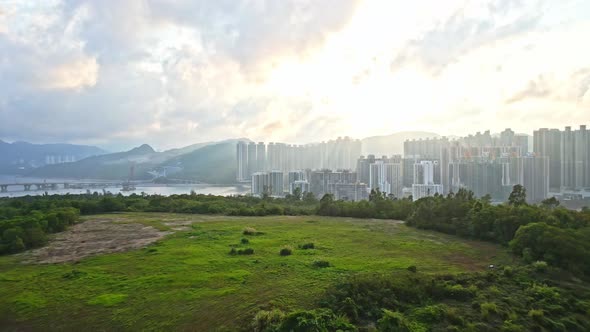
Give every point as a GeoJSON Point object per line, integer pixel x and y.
{"type": "Point", "coordinates": [21, 157]}
{"type": "Point", "coordinates": [212, 162]}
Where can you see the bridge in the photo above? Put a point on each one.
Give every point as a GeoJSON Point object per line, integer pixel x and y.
{"type": "Point", "coordinates": [58, 185]}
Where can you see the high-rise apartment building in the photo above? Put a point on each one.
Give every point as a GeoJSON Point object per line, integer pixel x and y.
{"type": "Point", "coordinates": [575, 158]}
{"type": "Point", "coordinates": [270, 183]}
{"type": "Point", "coordinates": [252, 161]}
{"type": "Point", "coordinates": [260, 157]}
{"type": "Point", "coordinates": [242, 159]}
{"type": "Point", "coordinates": [348, 191]}
{"type": "Point", "coordinates": [534, 177]}
{"type": "Point", "coordinates": [547, 143]}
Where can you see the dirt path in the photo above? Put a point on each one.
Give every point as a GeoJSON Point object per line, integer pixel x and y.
{"type": "Point", "coordinates": [92, 237]}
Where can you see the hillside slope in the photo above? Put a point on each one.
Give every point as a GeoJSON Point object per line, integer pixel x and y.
{"type": "Point", "coordinates": [19, 157]}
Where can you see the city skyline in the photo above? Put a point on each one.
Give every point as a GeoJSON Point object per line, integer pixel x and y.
{"type": "Point", "coordinates": [556, 164]}
{"type": "Point", "coordinates": [141, 71]}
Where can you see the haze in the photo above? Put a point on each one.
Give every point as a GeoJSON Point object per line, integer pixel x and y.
{"type": "Point", "coordinates": [121, 73]}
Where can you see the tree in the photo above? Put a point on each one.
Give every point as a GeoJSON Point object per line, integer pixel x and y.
{"type": "Point", "coordinates": [17, 245]}
{"type": "Point", "coordinates": [376, 195]}
{"type": "Point", "coordinates": [297, 193]}
{"type": "Point", "coordinates": [550, 203]}
{"type": "Point", "coordinates": [309, 197]}
{"type": "Point", "coordinates": [517, 196]}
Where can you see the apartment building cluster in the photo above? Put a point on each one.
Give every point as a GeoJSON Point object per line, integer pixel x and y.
{"type": "Point", "coordinates": [340, 153]}
{"type": "Point", "coordinates": [483, 163]}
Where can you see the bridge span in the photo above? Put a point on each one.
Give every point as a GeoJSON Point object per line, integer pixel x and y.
{"type": "Point", "coordinates": [28, 186]}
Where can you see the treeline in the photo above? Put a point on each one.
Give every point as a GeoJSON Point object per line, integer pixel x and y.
{"type": "Point", "coordinates": [544, 232]}
{"type": "Point", "coordinates": [22, 227]}
{"type": "Point", "coordinates": [529, 298]}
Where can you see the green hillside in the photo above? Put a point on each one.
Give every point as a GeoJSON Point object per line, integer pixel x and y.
{"type": "Point", "coordinates": [214, 163]}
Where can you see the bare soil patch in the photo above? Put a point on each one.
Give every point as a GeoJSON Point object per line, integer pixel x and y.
{"type": "Point", "coordinates": [92, 237]}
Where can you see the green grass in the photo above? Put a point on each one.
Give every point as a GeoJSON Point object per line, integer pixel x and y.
{"type": "Point", "coordinates": [189, 281]}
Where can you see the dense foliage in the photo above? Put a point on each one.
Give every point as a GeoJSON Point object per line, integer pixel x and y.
{"type": "Point", "coordinates": [509, 299]}
{"type": "Point", "coordinates": [24, 226]}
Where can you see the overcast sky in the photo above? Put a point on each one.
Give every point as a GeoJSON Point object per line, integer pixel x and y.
{"type": "Point", "coordinates": [172, 73]}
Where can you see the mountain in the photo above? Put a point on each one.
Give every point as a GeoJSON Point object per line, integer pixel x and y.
{"type": "Point", "coordinates": [391, 144]}
{"type": "Point", "coordinates": [112, 166]}
{"type": "Point", "coordinates": [215, 163]}
{"type": "Point", "coordinates": [205, 162]}
{"type": "Point", "coordinates": [21, 157]}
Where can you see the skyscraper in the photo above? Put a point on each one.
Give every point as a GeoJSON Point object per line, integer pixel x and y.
{"type": "Point", "coordinates": [547, 143]}
{"type": "Point", "coordinates": [260, 157]}
{"type": "Point", "coordinates": [252, 161]}
{"type": "Point", "coordinates": [242, 159]}
{"type": "Point", "coordinates": [534, 174]}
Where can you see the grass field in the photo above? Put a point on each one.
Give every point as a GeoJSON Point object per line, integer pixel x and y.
{"type": "Point", "coordinates": [188, 280]}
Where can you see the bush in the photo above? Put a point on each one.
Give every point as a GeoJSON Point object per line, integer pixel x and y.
{"type": "Point", "coordinates": [245, 241]}
{"type": "Point", "coordinates": [393, 321]}
{"type": "Point", "coordinates": [233, 251]}
{"type": "Point", "coordinates": [247, 251]}
{"type": "Point", "coordinates": [540, 266]}
{"type": "Point", "coordinates": [286, 251]}
{"type": "Point", "coordinates": [488, 308]}
{"type": "Point", "coordinates": [250, 231]}
{"type": "Point", "coordinates": [315, 320]}
{"type": "Point", "coordinates": [536, 314]}
{"type": "Point", "coordinates": [412, 268]}
{"type": "Point", "coordinates": [321, 264]}
{"type": "Point", "coordinates": [454, 317]}
{"type": "Point", "coordinates": [267, 320]}
{"type": "Point", "coordinates": [307, 246]}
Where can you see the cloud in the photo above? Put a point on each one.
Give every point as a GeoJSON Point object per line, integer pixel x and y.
{"type": "Point", "coordinates": [75, 75]}
{"type": "Point", "coordinates": [171, 73]}
{"type": "Point", "coordinates": [469, 27]}
{"type": "Point", "coordinates": [536, 89]}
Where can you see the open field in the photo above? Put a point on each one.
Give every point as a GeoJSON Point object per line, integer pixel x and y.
{"type": "Point", "coordinates": [187, 280]}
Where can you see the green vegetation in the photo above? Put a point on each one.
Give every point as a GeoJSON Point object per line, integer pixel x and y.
{"type": "Point", "coordinates": [22, 229]}
{"type": "Point", "coordinates": [341, 274]}
{"type": "Point", "coordinates": [188, 280]}
{"type": "Point", "coordinates": [287, 251]}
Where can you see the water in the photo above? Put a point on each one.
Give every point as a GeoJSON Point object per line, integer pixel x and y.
{"type": "Point", "coordinates": [150, 189]}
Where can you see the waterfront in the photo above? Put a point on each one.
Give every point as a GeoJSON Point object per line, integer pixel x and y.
{"type": "Point", "coordinates": [150, 189]}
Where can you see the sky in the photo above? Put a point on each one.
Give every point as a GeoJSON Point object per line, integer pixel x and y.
{"type": "Point", "coordinates": [172, 73]}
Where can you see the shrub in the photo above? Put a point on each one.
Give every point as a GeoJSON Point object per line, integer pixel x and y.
{"type": "Point", "coordinates": [430, 313]}
{"type": "Point", "coordinates": [457, 292]}
{"type": "Point", "coordinates": [454, 317]}
{"type": "Point", "coordinates": [267, 320]}
{"type": "Point", "coordinates": [536, 314]}
{"type": "Point", "coordinates": [393, 321]}
{"type": "Point", "coordinates": [286, 251]}
{"type": "Point", "coordinates": [488, 308]}
{"type": "Point", "coordinates": [321, 264]}
{"type": "Point", "coordinates": [245, 241]}
{"type": "Point", "coordinates": [247, 251]}
{"type": "Point", "coordinates": [540, 266]}
{"type": "Point", "coordinates": [233, 251]}
{"type": "Point", "coordinates": [511, 327]}
{"type": "Point", "coordinates": [412, 268]}
{"type": "Point", "coordinates": [307, 246]}
{"type": "Point", "coordinates": [250, 231]}
{"type": "Point", "coordinates": [315, 320]}
{"type": "Point", "coordinates": [508, 271]}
